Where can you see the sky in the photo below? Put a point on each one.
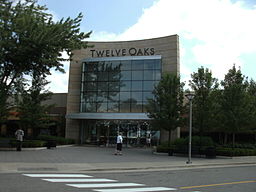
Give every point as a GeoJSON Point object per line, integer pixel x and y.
{"type": "Point", "coordinates": [215, 34]}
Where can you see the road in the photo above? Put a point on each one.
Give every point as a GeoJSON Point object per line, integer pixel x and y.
{"type": "Point", "coordinates": [225, 179]}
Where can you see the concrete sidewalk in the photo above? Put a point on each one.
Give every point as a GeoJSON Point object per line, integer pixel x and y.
{"type": "Point", "coordinates": [93, 159]}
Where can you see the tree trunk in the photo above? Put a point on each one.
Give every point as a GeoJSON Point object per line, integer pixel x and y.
{"type": "Point", "coordinates": [233, 139]}
{"type": "Point", "coordinates": [225, 138]}
{"type": "Point", "coordinates": [169, 139]}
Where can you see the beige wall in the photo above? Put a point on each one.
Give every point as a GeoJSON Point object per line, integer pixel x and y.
{"type": "Point", "coordinates": [167, 47]}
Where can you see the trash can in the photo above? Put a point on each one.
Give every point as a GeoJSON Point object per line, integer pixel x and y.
{"type": "Point", "coordinates": [210, 152]}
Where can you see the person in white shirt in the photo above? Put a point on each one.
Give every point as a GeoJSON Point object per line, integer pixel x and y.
{"type": "Point", "coordinates": [119, 143]}
{"type": "Point", "coordinates": [19, 138]}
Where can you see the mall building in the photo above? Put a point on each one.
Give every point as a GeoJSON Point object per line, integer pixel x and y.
{"type": "Point", "coordinates": [109, 84]}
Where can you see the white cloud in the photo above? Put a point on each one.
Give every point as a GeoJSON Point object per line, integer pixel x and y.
{"type": "Point", "coordinates": [223, 30]}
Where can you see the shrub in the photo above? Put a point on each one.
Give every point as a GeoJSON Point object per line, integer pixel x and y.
{"type": "Point", "coordinates": [223, 151]}
{"type": "Point", "coordinates": [181, 144]}
{"type": "Point", "coordinates": [29, 143]}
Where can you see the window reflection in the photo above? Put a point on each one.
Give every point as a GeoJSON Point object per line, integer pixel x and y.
{"type": "Point", "coordinates": [137, 75]}
{"type": "Point", "coordinates": [137, 96]}
{"type": "Point", "coordinates": [118, 86]}
{"type": "Point", "coordinates": [137, 65]}
{"type": "Point", "coordinates": [137, 85]}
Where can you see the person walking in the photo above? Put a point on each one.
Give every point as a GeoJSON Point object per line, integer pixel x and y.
{"type": "Point", "coordinates": [19, 138]}
{"type": "Point", "coordinates": [119, 143]}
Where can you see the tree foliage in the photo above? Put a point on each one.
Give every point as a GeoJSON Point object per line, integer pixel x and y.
{"type": "Point", "coordinates": [203, 84]}
{"type": "Point", "coordinates": [235, 102]}
{"type": "Point", "coordinates": [166, 107]}
{"type": "Point", "coordinates": [32, 111]}
{"type": "Point", "coordinates": [31, 41]}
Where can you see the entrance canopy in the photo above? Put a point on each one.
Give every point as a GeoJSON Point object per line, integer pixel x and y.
{"type": "Point", "coordinates": [113, 116]}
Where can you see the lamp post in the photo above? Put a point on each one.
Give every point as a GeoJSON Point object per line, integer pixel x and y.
{"type": "Point", "coordinates": [190, 97]}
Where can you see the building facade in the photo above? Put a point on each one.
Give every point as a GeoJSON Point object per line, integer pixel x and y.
{"type": "Point", "coordinates": [109, 84]}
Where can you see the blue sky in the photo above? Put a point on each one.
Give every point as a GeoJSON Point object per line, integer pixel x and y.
{"type": "Point", "coordinates": [215, 33]}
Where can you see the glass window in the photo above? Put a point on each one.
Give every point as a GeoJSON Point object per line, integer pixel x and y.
{"type": "Point", "coordinates": [91, 107]}
{"type": "Point", "coordinates": [137, 75]}
{"type": "Point", "coordinates": [82, 107]}
{"type": "Point", "coordinates": [114, 65]}
{"type": "Point", "coordinates": [102, 66]}
{"type": "Point", "coordinates": [137, 85]}
{"type": "Point", "coordinates": [125, 86]}
{"type": "Point", "coordinates": [113, 107]}
{"type": "Point", "coordinates": [102, 97]}
{"type": "Point", "coordinates": [91, 66]}
{"type": "Point", "coordinates": [157, 75]}
{"type": "Point", "coordinates": [102, 86]}
{"type": "Point", "coordinates": [90, 76]}
{"type": "Point", "coordinates": [90, 86]}
{"type": "Point", "coordinates": [126, 65]}
{"type": "Point", "coordinates": [90, 96]}
{"type": "Point", "coordinates": [125, 107]}
{"type": "Point", "coordinates": [148, 85]}
{"type": "Point", "coordinates": [136, 96]}
{"type": "Point", "coordinates": [114, 75]}
{"type": "Point", "coordinates": [149, 64]}
{"type": "Point", "coordinates": [147, 95]}
{"type": "Point", "coordinates": [126, 75]}
{"type": "Point", "coordinates": [114, 96]}
{"type": "Point", "coordinates": [118, 86]}
{"type": "Point", "coordinates": [102, 76]}
{"type": "Point", "coordinates": [102, 107]}
{"type": "Point", "coordinates": [136, 107]}
{"type": "Point", "coordinates": [157, 64]}
{"type": "Point", "coordinates": [113, 86]}
{"type": "Point", "coordinates": [149, 75]}
{"type": "Point", "coordinates": [125, 96]}
{"type": "Point", "coordinates": [137, 65]}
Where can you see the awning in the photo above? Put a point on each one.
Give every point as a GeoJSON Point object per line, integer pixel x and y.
{"type": "Point", "coordinates": [113, 116]}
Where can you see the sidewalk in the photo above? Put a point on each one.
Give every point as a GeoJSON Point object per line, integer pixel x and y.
{"type": "Point", "coordinates": [87, 159]}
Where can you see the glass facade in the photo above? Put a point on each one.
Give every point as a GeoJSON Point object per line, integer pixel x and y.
{"type": "Point", "coordinates": [118, 85]}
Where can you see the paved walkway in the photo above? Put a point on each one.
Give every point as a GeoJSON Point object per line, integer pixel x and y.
{"type": "Point", "coordinates": [87, 159]}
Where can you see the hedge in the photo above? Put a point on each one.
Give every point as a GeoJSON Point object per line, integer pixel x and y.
{"type": "Point", "coordinates": [222, 151]}
{"type": "Point", "coordinates": [29, 143]}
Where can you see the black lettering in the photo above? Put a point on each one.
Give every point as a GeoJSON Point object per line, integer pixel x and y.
{"type": "Point", "coordinates": [152, 51]}
{"type": "Point", "coordinates": [139, 52]}
{"type": "Point", "coordinates": [146, 51]}
{"type": "Point", "coordinates": [118, 52]}
{"type": "Point", "coordinates": [132, 51]}
{"type": "Point", "coordinates": [107, 53]}
{"type": "Point", "coordinates": [112, 53]}
{"type": "Point", "coordinates": [92, 51]}
{"type": "Point", "coordinates": [123, 52]}
{"type": "Point", "coordinates": [100, 53]}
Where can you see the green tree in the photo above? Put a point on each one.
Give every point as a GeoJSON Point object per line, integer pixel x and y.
{"type": "Point", "coordinates": [32, 112]}
{"type": "Point", "coordinates": [30, 41]}
{"type": "Point", "coordinates": [234, 102]}
{"type": "Point", "coordinates": [252, 108]}
{"type": "Point", "coordinates": [202, 84]}
{"type": "Point", "coordinates": [166, 107]}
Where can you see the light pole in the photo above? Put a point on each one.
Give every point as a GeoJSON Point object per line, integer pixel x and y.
{"type": "Point", "coordinates": [190, 97]}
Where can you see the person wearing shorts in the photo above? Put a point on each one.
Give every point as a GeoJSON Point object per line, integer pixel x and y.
{"type": "Point", "coordinates": [119, 143]}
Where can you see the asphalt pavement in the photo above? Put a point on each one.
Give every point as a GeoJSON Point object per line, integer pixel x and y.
{"type": "Point", "coordinates": [69, 159]}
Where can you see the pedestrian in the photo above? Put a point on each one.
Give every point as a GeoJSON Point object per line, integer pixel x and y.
{"type": "Point", "coordinates": [19, 138]}
{"type": "Point", "coordinates": [119, 143]}
{"type": "Point", "coordinates": [148, 141]}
